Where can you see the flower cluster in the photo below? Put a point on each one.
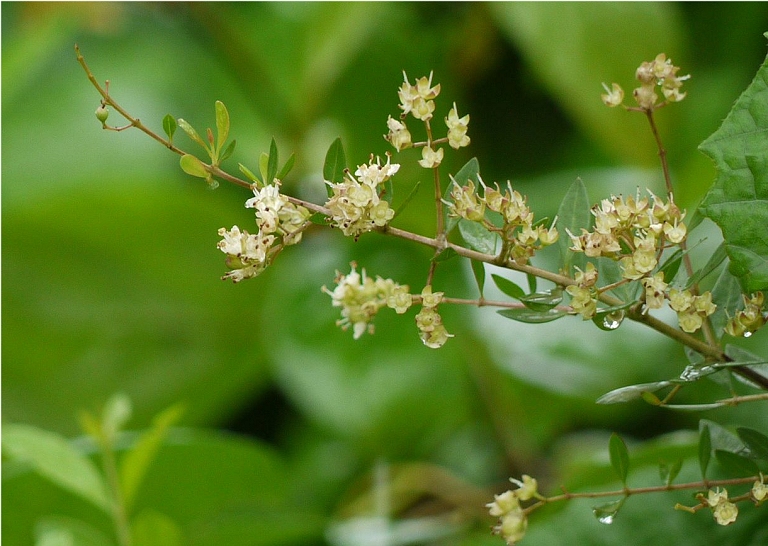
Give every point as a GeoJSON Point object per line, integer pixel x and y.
{"type": "Point", "coordinates": [634, 231]}
{"type": "Point", "coordinates": [418, 100]}
{"type": "Point", "coordinates": [360, 298]}
{"type": "Point", "coordinates": [431, 329]}
{"type": "Point", "coordinates": [651, 74]}
{"type": "Point", "coordinates": [521, 238]}
{"type": "Point", "coordinates": [691, 309]}
{"type": "Point", "coordinates": [513, 520]}
{"type": "Point", "coordinates": [356, 205]}
{"type": "Point", "coordinates": [723, 510]}
{"type": "Point", "coordinates": [280, 223]}
{"type": "Point", "coordinates": [748, 320]}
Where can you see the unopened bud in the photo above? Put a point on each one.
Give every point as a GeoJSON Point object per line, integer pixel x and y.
{"type": "Point", "coordinates": [102, 113]}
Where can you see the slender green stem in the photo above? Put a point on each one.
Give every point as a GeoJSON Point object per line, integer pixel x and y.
{"type": "Point", "coordinates": [119, 515]}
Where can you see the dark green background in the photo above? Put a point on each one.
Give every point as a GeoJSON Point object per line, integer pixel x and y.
{"type": "Point", "coordinates": [111, 272]}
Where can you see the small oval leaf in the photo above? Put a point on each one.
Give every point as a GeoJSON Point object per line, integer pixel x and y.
{"type": "Point", "coordinates": [631, 392]}
{"type": "Point", "coordinates": [705, 448]}
{"type": "Point", "coordinates": [756, 442]}
{"type": "Point", "coordinates": [169, 126]}
{"type": "Point", "coordinates": [619, 457]}
{"type": "Point", "coordinates": [192, 165]}
{"type": "Point", "coordinates": [530, 316]}
{"type": "Point", "coordinates": [508, 287]}
{"type": "Point", "coordinates": [222, 124]}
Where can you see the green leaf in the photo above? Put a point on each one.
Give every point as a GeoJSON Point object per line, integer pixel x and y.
{"type": "Point", "coordinates": [53, 457]}
{"type": "Point", "coordinates": [726, 294]}
{"type": "Point", "coordinates": [116, 413]}
{"type": "Point", "coordinates": [191, 133]}
{"type": "Point", "coordinates": [671, 265]}
{"type": "Point", "coordinates": [606, 513]}
{"type": "Point", "coordinates": [230, 149]}
{"type": "Point", "coordinates": [631, 392]}
{"type": "Point", "coordinates": [222, 125]}
{"type": "Point", "coordinates": [264, 168]}
{"type": "Point", "coordinates": [756, 442]}
{"type": "Point", "coordinates": [668, 473]}
{"type": "Point", "coordinates": [705, 448]}
{"type": "Point", "coordinates": [411, 195]}
{"type": "Point", "coordinates": [169, 126]}
{"type": "Point", "coordinates": [248, 174]}
{"type": "Point", "coordinates": [619, 457]}
{"type": "Point", "coordinates": [445, 255]}
{"type": "Point", "coordinates": [135, 463]}
{"type": "Point", "coordinates": [273, 162]}
{"type": "Point", "coordinates": [508, 287]}
{"type": "Point", "coordinates": [543, 301]}
{"type": "Point", "coordinates": [283, 172]}
{"type": "Point", "coordinates": [533, 282]}
{"type": "Point", "coordinates": [714, 261]}
{"type": "Point", "coordinates": [573, 215]}
{"type": "Point", "coordinates": [736, 464]}
{"type": "Point", "coordinates": [531, 316]}
{"type": "Point", "coordinates": [335, 163]}
{"type": "Point", "coordinates": [151, 528]}
{"type": "Point", "coordinates": [478, 238]}
{"type": "Point", "coordinates": [478, 270]}
{"type": "Point", "coordinates": [738, 201]}
{"type": "Point", "coordinates": [192, 165]}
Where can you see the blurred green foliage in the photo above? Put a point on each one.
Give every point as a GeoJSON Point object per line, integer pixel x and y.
{"type": "Point", "coordinates": [110, 267]}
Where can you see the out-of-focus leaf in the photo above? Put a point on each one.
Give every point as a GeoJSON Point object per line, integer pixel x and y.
{"type": "Point", "coordinates": [619, 456]}
{"type": "Point", "coordinates": [531, 316]}
{"type": "Point", "coordinates": [631, 392]}
{"type": "Point", "coordinates": [478, 238]}
{"type": "Point", "coordinates": [543, 31]}
{"type": "Point", "coordinates": [117, 411]}
{"type": "Point", "coordinates": [736, 464]}
{"type": "Point", "coordinates": [738, 201]}
{"type": "Point", "coordinates": [151, 528]}
{"type": "Point", "coordinates": [135, 463]}
{"type": "Point", "coordinates": [756, 442]}
{"type": "Point", "coordinates": [573, 215]}
{"type": "Point", "coordinates": [192, 165]}
{"type": "Point", "coordinates": [53, 457]}
{"type": "Point", "coordinates": [705, 448]}
{"type": "Point", "coordinates": [64, 531]}
{"type": "Point", "coordinates": [407, 200]}
{"type": "Point", "coordinates": [508, 287]}
{"type": "Point", "coordinates": [606, 513]}
{"type": "Point", "coordinates": [335, 163]}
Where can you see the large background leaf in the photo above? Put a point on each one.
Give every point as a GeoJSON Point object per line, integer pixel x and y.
{"type": "Point", "coordinates": [738, 202]}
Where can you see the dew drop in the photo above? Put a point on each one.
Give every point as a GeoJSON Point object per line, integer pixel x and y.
{"type": "Point", "coordinates": [606, 519]}
{"type": "Point", "coordinates": [747, 333]}
{"type": "Point", "coordinates": [611, 321]}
